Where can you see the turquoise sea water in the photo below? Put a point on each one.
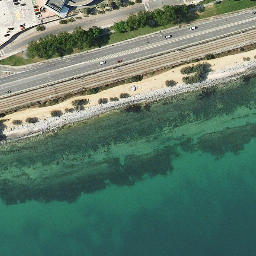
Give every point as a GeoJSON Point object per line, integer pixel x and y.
{"type": "Point", "coordinates": [176, 177]}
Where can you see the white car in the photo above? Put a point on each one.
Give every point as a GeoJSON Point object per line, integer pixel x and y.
{"type": "Point", "coordinates": [193, 28]}
{"type": "Point", "coordinates": [168, 36]}
{"type": "Point", "coordinates": [103, 62]}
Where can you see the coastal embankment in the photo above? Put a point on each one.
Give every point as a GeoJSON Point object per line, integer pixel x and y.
{"type": "Point", "coordinates": [152, 89]}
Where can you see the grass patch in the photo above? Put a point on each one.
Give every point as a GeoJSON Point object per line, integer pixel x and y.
{"type": "Point", "coordinates": [226, 6]}
{"type": "Point", "coordinates": [17, 60]}
{"type": "Point", "coordinates": [118, 37]}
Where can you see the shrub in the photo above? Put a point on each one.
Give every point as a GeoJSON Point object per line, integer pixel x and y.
{"type": "Point", "coordinates": [170, 83]}
{"type": "Point", "coordinates": [210, 56]}
{"type": "Point", "coordinates": [201, 70]}
{"type": "Point", "coordinates": [17, 122]}
{"type": "Point", "coordinates": [114, 99]}
{"type": "Point", "coordinates": [196, 78]}
{"type": "Point", "coordinates": [138, 1]}
{"type": "Point", "coordinates": [186, 70]}
{"type": "Point", "coordinates": [63, 22]}
{"type": "Point", "coordinates": [93, 90]}
{"type": "Point", "coordinates": [78, 103]}
{"type": "Point", "coordinates": [71, 19]}
{"type": "Point", "coordinates": [103, 101]}
{"type": "Point", "coordinates": [124, 95]}
{"type": "Point", "coordinates": [69, 110]}
{"type": "Point", "coordinates": [56, 113]}
{"type": "Point", "coordinates": [134, 79]}
{"type": "Point", "coordinates": [246, 58]}
{"type": "Point", "coordinates": [40, 28]}
{"type": "Point", "coordinates": [32, 120]}
{"type": "Point", "coordinates": [131, 3]}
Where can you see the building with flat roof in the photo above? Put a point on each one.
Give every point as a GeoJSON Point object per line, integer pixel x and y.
{"type": "Point", "coordinates": [58, 7]}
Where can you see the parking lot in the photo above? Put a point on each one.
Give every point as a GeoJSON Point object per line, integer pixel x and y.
{"type": "Point", "coordinates": [15, 16]}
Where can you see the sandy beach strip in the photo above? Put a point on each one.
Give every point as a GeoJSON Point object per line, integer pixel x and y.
{"type": "Point", "coordinates": [151, 89]}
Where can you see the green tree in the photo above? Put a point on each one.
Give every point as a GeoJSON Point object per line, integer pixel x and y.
{"type": "Point", "coordinates": [132, 23]}
{"type": "Point", "coordinates": [120, 27]}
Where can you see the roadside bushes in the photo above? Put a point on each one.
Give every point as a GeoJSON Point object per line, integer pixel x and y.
{"type": "Point", "coordinates": [200, 72]}
{"type": "Point", "coordinates": [40, 28]}
{"type": "Point", "coordinates": [103, 101]}
{"type": "Point", "coordinates": [17, 122]}
{"type": "Point", "coordinates": [170, 83]}
{"type": "Point", "coordinates": [63, 22]}
{"type": "Point", "coordinates": [56, 113]}
{"type": "Point", "coordinates": [246, 59]}
{"type": "Point", "coordinates": [69, 110]}
{"type": "Point", "coordinates": [32, 120]}
{"type": "Point", "coordinates": [186, 70]}
{"type": "Point", "coordinates": [79, 104]}
{"type": "Point", "coordinates": [114, 99]}
{"type": "Point", "coordinates": [64, 43]}
{"type": "Point", "coordinates": [134, 79]}
{"type": "Point", "coordinates": [124, 95]}
{"type": "Point", "coordinates": [93, 90]}
{"type": "Point", "coordinates": [210, 56]}
{"type": "Point", "coordinates": [159, 17]}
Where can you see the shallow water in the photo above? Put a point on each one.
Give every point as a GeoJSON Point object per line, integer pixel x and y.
{"type": "Point", "coordinates": [175, 178]}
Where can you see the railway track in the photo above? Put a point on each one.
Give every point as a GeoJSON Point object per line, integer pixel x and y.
{"type": "Point", "coordinates": [125, 71]}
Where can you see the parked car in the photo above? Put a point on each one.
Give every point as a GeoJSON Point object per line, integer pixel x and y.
{"type": "Point", "coordinates": [168, 36]}
{"type": "Point", "coordinates": [193, 28]}
{"type": "Point", "coordinates": [103, 62]}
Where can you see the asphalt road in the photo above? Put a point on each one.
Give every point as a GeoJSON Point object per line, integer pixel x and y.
{"type": "Point", "coordinates": [127, 51]}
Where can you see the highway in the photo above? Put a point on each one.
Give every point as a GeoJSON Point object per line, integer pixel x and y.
{"type": "Point", "coordinates": [128, 51]}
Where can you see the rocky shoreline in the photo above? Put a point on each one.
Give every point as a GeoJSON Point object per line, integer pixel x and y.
{"type": "Point", "coordinates": [216, 78]}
